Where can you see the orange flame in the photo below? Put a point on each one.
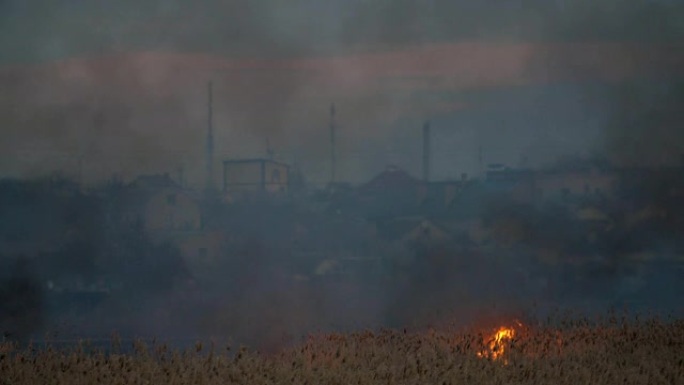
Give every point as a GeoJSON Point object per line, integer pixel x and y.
{"type": "Point", "coordinates": [496, 345]}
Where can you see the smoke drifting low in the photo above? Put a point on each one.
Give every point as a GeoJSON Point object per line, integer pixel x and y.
{"type": "Point", "coordinates": [95, 89]}
{"type": "Point", "coordinates": [282, 270]}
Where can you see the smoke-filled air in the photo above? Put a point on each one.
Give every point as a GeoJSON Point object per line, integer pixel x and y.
{"type": "Point", "coordinates": [303, 180]}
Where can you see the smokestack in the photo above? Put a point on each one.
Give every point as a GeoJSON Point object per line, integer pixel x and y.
{"type": "Point", "coordinates": [80, 170]}
{"type": "Point", "coordinates": [426, 151]}
{"type": "Point", "coordinates": [210, 141]}
{"type": "Point", "coordinates": [270, 153]}
{"type": "Point", "coordinates": [333, 158]}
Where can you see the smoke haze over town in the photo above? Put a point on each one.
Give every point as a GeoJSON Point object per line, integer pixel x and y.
{"type": "Point", "coordinates": [122, 87]}
{"type": "Point", "coordinates": [545, 122]}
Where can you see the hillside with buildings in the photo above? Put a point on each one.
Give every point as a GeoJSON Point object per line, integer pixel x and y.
{"type": "Point", "coordinates": [395, 250]}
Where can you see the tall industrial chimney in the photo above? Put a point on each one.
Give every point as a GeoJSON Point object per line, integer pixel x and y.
{"type": "Point", "coordinates": [270, 153]}
{"type": "Point", "coordinates": [426, 151]}
{"type": "Point", "coordinates": [333, 157]}
{"type": "Point", "coordinates": [210, 141]}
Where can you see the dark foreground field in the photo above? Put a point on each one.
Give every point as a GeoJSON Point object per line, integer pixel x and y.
{"type": "Point", "coordinates": [577, 352]}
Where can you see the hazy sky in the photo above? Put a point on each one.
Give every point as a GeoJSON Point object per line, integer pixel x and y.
{"type": "Point", "coordinates": [122, 85]}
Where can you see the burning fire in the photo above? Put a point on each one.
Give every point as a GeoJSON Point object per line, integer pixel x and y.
{"type": "Point", "coordinates": [496, 345]}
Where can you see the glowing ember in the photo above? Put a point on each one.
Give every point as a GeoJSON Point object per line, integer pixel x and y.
{"type": "Point", "coordinates": [496, 345]}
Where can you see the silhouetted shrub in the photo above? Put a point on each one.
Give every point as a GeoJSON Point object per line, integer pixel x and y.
{"type": "Point", "coordinates": [21, 300]}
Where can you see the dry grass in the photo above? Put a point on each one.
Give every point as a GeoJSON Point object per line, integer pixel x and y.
{"type": "Point", "coordinates": [649, 352]}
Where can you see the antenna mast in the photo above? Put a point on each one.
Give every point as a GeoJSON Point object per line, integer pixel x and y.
{"type": "Point", "coordinates": [333, 158]}
{"type": "Point", "coordinates": [479, 161]}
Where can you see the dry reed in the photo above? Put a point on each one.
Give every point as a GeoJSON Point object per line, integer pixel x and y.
{"type": "Point", "coordinates": [650, 352]}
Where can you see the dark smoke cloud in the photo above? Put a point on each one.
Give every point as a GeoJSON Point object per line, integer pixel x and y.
{"type": "Point", "coordinates": [642, 114]}
{"type": "Point", "coordinates": [45, 29]}
{"type": "Point", "coordinates": [645, 124]}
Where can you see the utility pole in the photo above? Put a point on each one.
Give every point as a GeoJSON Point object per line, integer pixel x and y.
{"type": "Point", "coordinates": [426, 151]}
{"type": "Point", "coordinates": [181, 175]}
{"type": "Point", "coordinates": [210, 141]}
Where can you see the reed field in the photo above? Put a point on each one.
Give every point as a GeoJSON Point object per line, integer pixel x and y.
{"type": "Point", "coordinates": [571, 352]}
